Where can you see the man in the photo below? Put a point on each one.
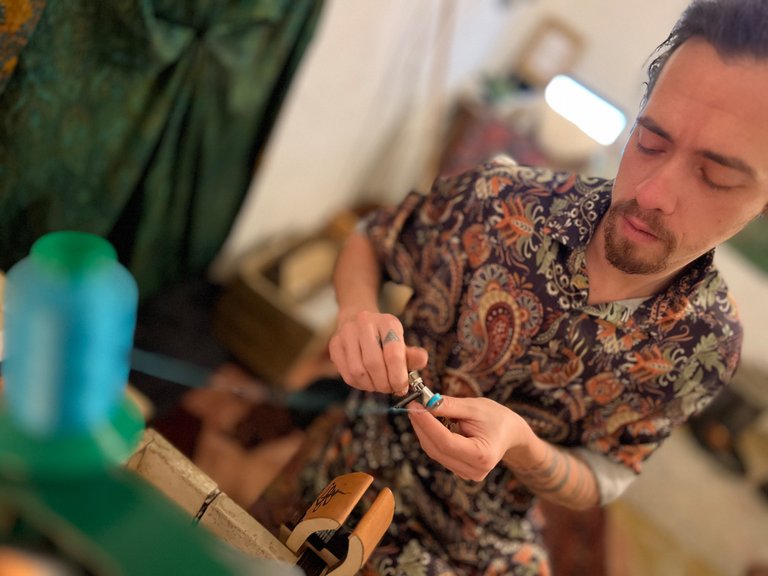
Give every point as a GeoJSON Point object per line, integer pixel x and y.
{"type": "Point", "coordinates": [570, 323]}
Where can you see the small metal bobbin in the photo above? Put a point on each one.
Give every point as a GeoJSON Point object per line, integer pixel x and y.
{"type": "Point", "coordinates": [428, 398]}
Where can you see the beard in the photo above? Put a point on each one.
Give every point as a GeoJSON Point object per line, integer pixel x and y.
{"type": "Point", "coordinates": [629, 257]}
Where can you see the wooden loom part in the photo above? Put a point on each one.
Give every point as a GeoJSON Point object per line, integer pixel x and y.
{"type": "Point", "coordinates": [321, 542]}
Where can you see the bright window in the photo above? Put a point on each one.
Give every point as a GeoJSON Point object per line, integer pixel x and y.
{"type": "Point", "coordinates": [596, 117]}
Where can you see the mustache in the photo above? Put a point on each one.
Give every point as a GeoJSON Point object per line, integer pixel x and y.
{"type": "Point", "coordinates": [651, 220]}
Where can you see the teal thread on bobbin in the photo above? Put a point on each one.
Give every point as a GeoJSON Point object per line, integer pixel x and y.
{"type": "Point", "coordinates": [70, 316]}
{"type": "Point", "coordinates": [434, 401]}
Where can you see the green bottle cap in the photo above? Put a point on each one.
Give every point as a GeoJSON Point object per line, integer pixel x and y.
{"type": "Point", "coordinates": [72, 251]}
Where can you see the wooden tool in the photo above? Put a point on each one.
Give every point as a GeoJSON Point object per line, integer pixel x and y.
{"type": "Point", "coordinates": [320, 541]}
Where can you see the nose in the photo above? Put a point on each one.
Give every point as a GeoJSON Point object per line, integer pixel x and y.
{"type": "Point", "coordinates": [658, 189]}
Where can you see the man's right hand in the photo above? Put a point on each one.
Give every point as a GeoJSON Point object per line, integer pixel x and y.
{"type": "Point", "coordinates": [369, 351]}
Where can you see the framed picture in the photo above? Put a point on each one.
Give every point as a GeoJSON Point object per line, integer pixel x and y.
{"type": "Point", "coordinates": [553, 48]}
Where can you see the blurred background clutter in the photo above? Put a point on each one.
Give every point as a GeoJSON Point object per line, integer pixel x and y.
{"type": "Point", "coordinates": [226, 149]}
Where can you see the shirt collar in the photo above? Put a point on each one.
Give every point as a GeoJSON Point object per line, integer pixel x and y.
{"type": "Point", "coordinates": [574, 225]}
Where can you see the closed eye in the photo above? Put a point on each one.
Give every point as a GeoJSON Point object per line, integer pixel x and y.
{"type": "Point", "coordinates": [649, 142]}
{"type": "Point", "coordinates": [714, 186]}
{"type": "Point", "coordinates": [719, 179]}
{"type": "Point", "coordinates": [645, 149]}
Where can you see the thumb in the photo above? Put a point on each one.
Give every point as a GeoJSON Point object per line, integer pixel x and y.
{"type": "Point", "coordinates": [452, 407]}
{"type": "Point", "coordinates": [415, 357]}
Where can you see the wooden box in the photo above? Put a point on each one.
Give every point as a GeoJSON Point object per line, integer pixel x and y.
{"type": "Point", "coordinates": [280, 308]}
{"type": "Point", "coordinates": [168, 470]}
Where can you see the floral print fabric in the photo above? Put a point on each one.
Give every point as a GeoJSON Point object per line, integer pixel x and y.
{"type": "Point", "coordinates": [495, 258]}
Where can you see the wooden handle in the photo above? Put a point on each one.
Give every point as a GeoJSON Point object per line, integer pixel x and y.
{"type": "Point", "coordinates": [367, 534]}
{"type": "Point", "coordinates": [331, 508]}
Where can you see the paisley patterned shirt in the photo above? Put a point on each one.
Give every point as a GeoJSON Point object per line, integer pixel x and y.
{"type": "Point", "coordinates": [495, 258]}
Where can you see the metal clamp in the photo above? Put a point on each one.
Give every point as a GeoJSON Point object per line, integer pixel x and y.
{"type": "Point", "coordinates": [419, 391]}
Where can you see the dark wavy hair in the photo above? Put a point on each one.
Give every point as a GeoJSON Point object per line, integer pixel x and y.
{"type": "Point", "coordinates": [733, 27]}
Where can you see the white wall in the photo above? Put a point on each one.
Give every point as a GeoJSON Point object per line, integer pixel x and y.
{"type": "Point", "coordinates": [620, 35]}
{"type": "Point", "coordinates": [364, 112]}
{"type": "Point", "coordinates": [363, 109]}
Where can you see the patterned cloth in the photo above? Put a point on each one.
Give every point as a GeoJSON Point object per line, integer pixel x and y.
{"type": "Point", "coordinates": [496, 261]}
{"type": "Point", "coordinates": [140, 121]}
{"type": "Point", "coordinates": [18, 19]}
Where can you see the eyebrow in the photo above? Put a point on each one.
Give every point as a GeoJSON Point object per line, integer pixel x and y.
{"type": "Point", "coordinates": [722, 159]}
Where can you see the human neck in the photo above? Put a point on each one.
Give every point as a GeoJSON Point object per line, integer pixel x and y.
{"type": "Point", "coordinates": [609, 284]}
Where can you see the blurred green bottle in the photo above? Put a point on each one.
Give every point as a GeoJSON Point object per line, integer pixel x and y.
{"type": "Point", "coordinates": [70, 317]}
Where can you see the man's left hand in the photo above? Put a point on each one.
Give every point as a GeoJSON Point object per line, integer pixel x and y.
{"type": "Point", "coordinates": [481, 434]}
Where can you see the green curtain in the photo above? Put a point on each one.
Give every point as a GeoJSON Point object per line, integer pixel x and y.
{"type": "Point", "coordinates": [140, 120]}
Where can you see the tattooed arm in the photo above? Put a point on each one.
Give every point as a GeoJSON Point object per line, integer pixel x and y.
{"type": "Point", "coordinates": [484, 433]}
{"type": "Point", "coordinates": [554, 473]}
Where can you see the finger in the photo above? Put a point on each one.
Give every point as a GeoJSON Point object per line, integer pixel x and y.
{"type": "Point", "coordinates": [373, 359]}
{"type": "Point", "coordinates": [390, 337]}
{"type": "Point", "coordinates": [457, 408]}
{"type": "Point", "coordinates": [393, 351]}
{"type": "Point", "coordinates": [424, 422]}
{"type": "Point", "coordinates": [470, 446]}
{"type": "Point", "coordinates": [443, 446]}
{"type": "Point", "coordinates": [358, 376]}
{"type": "Point", "coordinates": [339, 358]}
{"type": "Point", "coordinates": [347, 356]}
{"type": "Point", "coordinates": [416, 357]}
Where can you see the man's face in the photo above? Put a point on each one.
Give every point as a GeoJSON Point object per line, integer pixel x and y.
{"type": "Point", "coordinates": [695, 170]}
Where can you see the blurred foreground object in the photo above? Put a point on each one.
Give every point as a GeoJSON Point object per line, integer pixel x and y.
{"type": "Point", "coordinates": [70, 313]}
{"type": "Point", "coordinates": [67, 426]}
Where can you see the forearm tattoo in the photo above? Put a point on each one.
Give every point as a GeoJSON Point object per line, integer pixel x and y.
{"type": "Point", "coordinates": [561, 477]}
